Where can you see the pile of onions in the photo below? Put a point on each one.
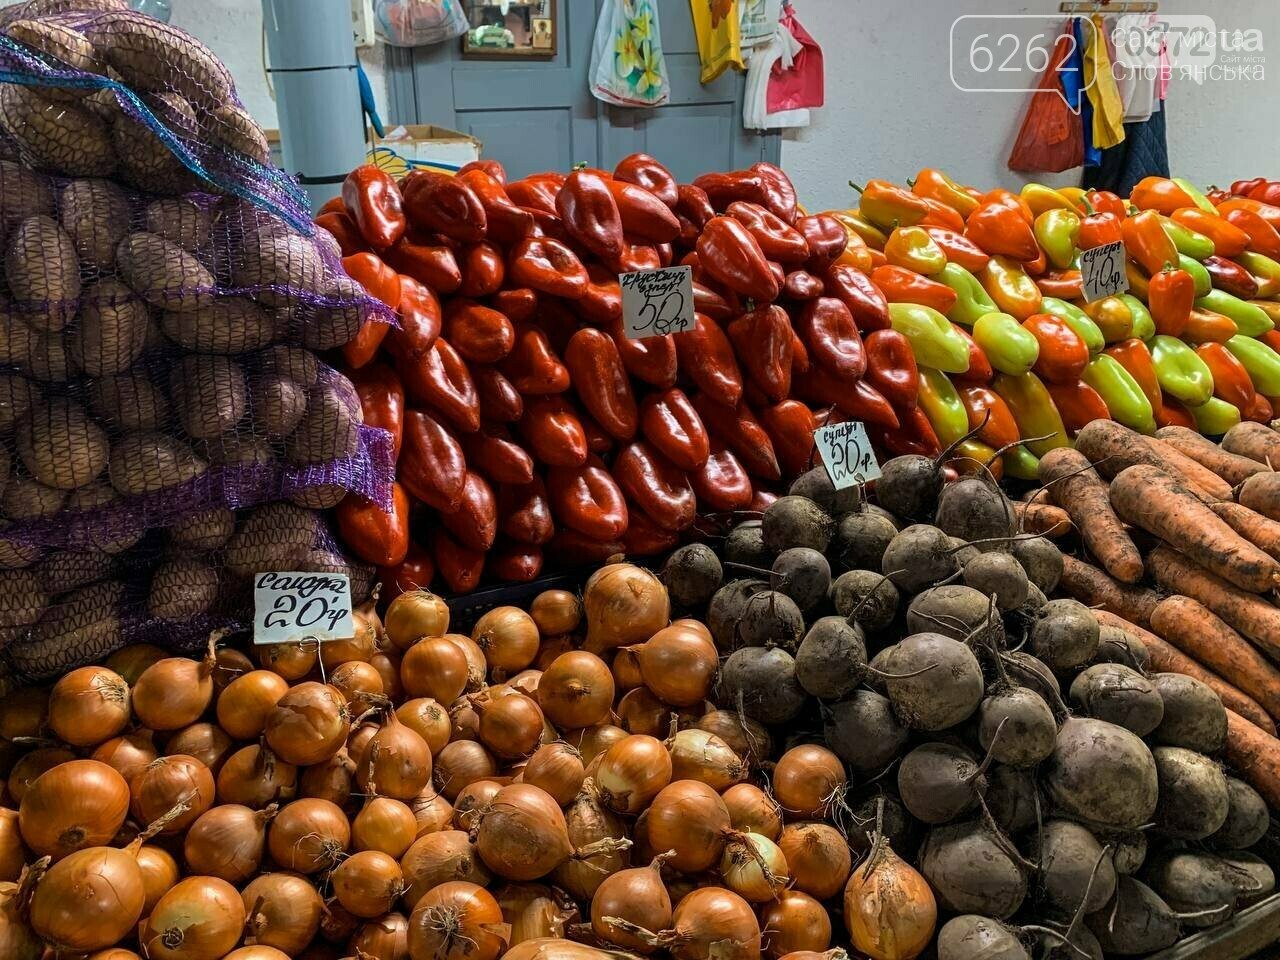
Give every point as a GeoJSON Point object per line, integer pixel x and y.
{"type": "Point", "coordinates": [293, 661]}
{"type": "Point", "coordinates": [413, 615]}
{"type": "Point", "coordinates": [12, 856]}
{"type": "Point", "coordinates": [385, 825]}
{"type": "Point", "coordinates": [227, 842]}
{"type": "Point", "coordinates": [754, 867]}
{"type": "Point", "coordinates": [679, 663]}
{"type": "Point", "coordinates": [807, 780]}
{"type": "Point", "coordinates": [632, 772]}
{"type": "Point", "coordinates": [752, 810]}
{"type": "Point", "coordinates": [201, 918]}
{"type": "Point", "coordinates": [205, 742]}
{"type": "Point", "coordinates": [747, 738]}
{"type": "Point", "coordinates": [309, 835]}
{"type": "Point", "coordinates": [632, 900]}
{"type": "Point", "coordinates": [709, 923]}
{"type": "Point", "coordinates": [308, 724]}
{"type": "Point", "coordinates": [457, 921]}
{"type": "Point", "coordinates": [461, 763]}
{"type": "Point", "coordinates": [73, 805]}
{"type": "Point", "coordinates": [17, 940]}
{"type": "Point", "coordinates": [588, 823]}
{"type": "Point", "coordinates": [428, 719]}
{"type": "Point", "coordinates": [509, 639]}
{"type": "Point", "coordinates": [106, 888]}
{"type": "Point", "coordinates": [576, 690]}
{"type": "Point", "coordinates": [624, 604]}
{"type": "Point", "coordinates": [818, 857]}
{"type": "Point", "coordinates": [88, 706]}
{"type": "Point", "coordinates": [127, 754]}
{"type": "Point", "coordinates": [522, 834]}
{"type": "Point", "coordinates": [386, 938]}
{"type": "Point", "coordinates": [556, 612]}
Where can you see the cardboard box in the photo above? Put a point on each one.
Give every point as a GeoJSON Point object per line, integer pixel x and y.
{"type": "Point", "coordinates": [409, 146]}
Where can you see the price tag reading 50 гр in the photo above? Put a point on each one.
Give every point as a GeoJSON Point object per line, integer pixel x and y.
{"type": "Point", "coordinates": [1102, 269]}
{"type": "Point", "coordinates": [846, 453]}
{"type": "Point", "coordinates": [296, 606]}
{"type": "Point", "coordinates": [657, 302]}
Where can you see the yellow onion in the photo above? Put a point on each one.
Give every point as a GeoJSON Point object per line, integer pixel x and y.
{"type": "Point", "coordinates": [631, 773]}
{"type": "Point", "coordinates": [387, 665]}
{"type": "Point", "coordinates": [555, 948]}
{"type": "Point", "coordinates": [752, 810]}
{"type": "Point", "coordinates": [127, 754]}
{"type": "Point", "coordinates": [367, 883]}
{"type": "Point", "coordinates": [522, 834]}
{"type": "Point", "coordinates": [396, 762]}
{"type": "Point", "coordinates": [386, 938]}
{"type": "Point", "coordinates": [77, 804]}
{"type": "Point", "coordinates": [747, 738]}
{"type": "Point", "coordinates": [360, 646]}
{"type": "Point", "coordinates": [556, 612]}
{"type": "Point", "coordinates": [88, 706]}
{"type": "Point", "coordinates": [254, 777]}
{"type": "Point", "coordinates": [889, 910]}
{"type": "Point", "coordinates": [509, 639]}
{"type": "Point", "coordinates": [332, 780]}
{"type": "Point", "coordinates": [292, 660]}
{"type": "Point", "coordinates": [360, 683]}
{"type": "Point", "coordinates": [534, 911]}
{"type": "Point", "coordinates": [473, 801]}
{"type": "Point", "coordinates": [432, 811]}
{"type": "Point", "coordinates": [457, 921]}
{"type": "Point", "coordinates": [477, 665]}
{"type": "Point", "coordinates": [201, 918]}
{"type": "Point", "coordinates": [679, 664]}
{"type": "Point", "coordinates": [227, 842]}
{"type": "Point", "coordinates": [698, 755]}
{"type": "Point", "coordinates": [576, 690]}
{"type": "Point", "coordinates": [807, 779]}
{"type": "Point", "coordinates": [167, 782]}
{"type": "Point", "coordinates": [245, 703]}
{"type": "Point", "coordinates": [309, 835]}
{"type": "Point", "coordinates": [818, 858]}
{"type": "Point", "coordinates": [17, 940]}
{"type": "Point", "coordinates": [639, 711]}
{"type": "Point", "coordinates": [632, 900]}
{"type": "Point", "coordinates": [205, 741]}
{"type": "Point", "coordinates": [754, 867]}
{"type": "Point", "coordinates": [589, 823]}
{"type": "Point", "coordinates": [283, 911]}
{"type": "Point", "coordinates": [591, 742]}
{"type": "Point", "coordinates": [384, 824]}
{"type": "Point", "coordinates": [551, 648]}
{"type": "Point", "coordinates": [434, 667]}
{"type": "Point", "coordinates": [159, 873]}
{"type": "Point", "coordinates": [428, 719]}
{"type": "Point", "coordinates": [28, 768]}
{"type": "Point", "coordinates": [439, 858]}
{"type": "Point", "coordinates": [626, 668]}
{"type": "Point", "coordinates": [793, 922]}
{"type": "Point", "coordinates": [12, 856]}
{"type": "Point", "coordinates": [510, 726]}
{"type": "Point", "coordinates": [624, 604]}
{"type": "Point", "coordinates": [308, 725]}
{"type": "Point", "coordinates": [174, 692]}
{"type": "Point", "coordinates": [89, 900]}
{"type": "Point", "coordinates": [115, 953]}
{"type": "Point", "coordinates": [460, 763]}
{"type": "Point", "coordinates": [129, 662]}
{"type": "Point", "coordinates": [230, 663]}
{"type": "Point", "coordinates": [413, 615]}
{"type": "Point", "coordinates": [689, 821]}
{"type": "Point", "coordinates": [557, 769]}
{"type": "Point", "coordinates": [257, 953]}
{"type": "Point", "coordinates": [710, 923]}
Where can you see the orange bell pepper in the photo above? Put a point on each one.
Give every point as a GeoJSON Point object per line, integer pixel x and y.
{"type": "Point", "coordinates": [959, 248]}
{"type": "Point", "coordinates": [1230, 379]}
{"type": "Point", "coordinates": [982, 403]}
{"type": "Point", "coordinates": [1063, 354]}
{"type": "Point", "coordinates": [1160, 194]}
{"type": "Point", "coordinates": [999, 193]}
{"type": "Point", "coordinates": [941, 215]}
{"type": "Point", "coordinates": [900, 285]}
{"type": "Point", "coordinates": [1228, 239]}
{"type": "Point", "coordinates": [1008, 285]}
{"type": "Point", "coordinates": [1078, 404]}
{"type": "Point", "coordinates": [888, 205]}
{"type": "Point", "coordinates": [1264, 238]}
{"type": "Point", "coordinates": [1063, 284]}
{"type": "Point", "coordinates": [1171, 296]}
{"type": "Point", "coordinates": [936, 185]}
{"type": "Point", "coordinates": [1098, 229]}
{"type": "Point", "coordinates": [855, 254]}
{"type": "Point", "coordinates": [1038, 266]}
{"type": "Point", "coordinates": [1267, 211]}
{"type": "Point", "coordinates": [1133, 355]}
{"type": "Point", "coordinates": [1104, 201]}
{"type": "Point", "coordinates": [1000, 226]}
{"type": "Point", "coordinates": [1174, 414]}
{"type": "Point", "coordinates": [1205, 326]}
{"type": "Point", "coordinates": [1147, 243]}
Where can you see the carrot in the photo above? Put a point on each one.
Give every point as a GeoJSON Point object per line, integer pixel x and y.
{"type": "Point", "coordinates": [1261, 493]}
{"type": "Point", "coordinates": [1151, 499]}
{"type": "Point", "coordinates": [1255, 755]}
{"type": "Point", "coordinates": [1256, 441]}
{"type": "Point", "coordinates": [1075, 486]}
{"type": "Point", "coordinates": [1197, 632]}
{"type": "Point", "coordinates": [1095, 589]}
{"type": "Point", "coordinates": [1262, 532]}
{"type": "Point", "coordinates": [1044, 519]}
{"type": "Point", "coordinates": [1229, 466]}
{"type": "Point", "coordinates": [1192, 470]}
{"type": "Point", "coordinates": [1166, 658]}
{"type": "Point", "coordinates": [1113, 448]}
{"type": "Point", "coordinates": [1250, 615]}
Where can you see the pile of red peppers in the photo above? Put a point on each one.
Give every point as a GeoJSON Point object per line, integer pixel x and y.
{"type": "Point", "coordinates": [525, 422]}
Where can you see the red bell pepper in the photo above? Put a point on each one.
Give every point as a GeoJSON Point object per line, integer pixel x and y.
{"type": "Point", "coordinates": [1228, 239]}
{"type": "Point", "coordinates": [901, 285]}
{"type": "Point", "coordinates": [1229, 276]}
{"type": "Point", "coordinates": [601, 304]}
{"type": "Point", "coordinates": [551, 428]}
{"type": "Point", "coordinates": [1063, 284]}
{"type": "Point", "coordinates": [1099, 229]}
{"type": "Point", "coordinates": [587, 499]}
{"type": "Point", "coordinates": [1264, 237]}
{"type": "Point", "coordinates": [532, 365]}
{"type": "Point", "coordinates": [979, 366]}
{"type": "Point", "coordinates": [459, 566]}
{"type": "Point", "coordinates": [443, 204]}
{"type": "Point", "coordinates": [790, 425]}
{"type": "Point", "coordinates": [373, 201]}
{"type": "Point", "coordinates": [672, 426]}
{"type": "Point", "coordinates": [719, 305]}
{"type": "Point", "coordinates": [432, 466]}
{"type": "Point", "coordinates": [414, 572]}
{"type": "Point", "coordinates": [801, 285]}
{"type": "Point", "coordinates": [645, 171]}
{"type": "Point", "coordinates": [742, 433]}
{"type": "Point", "coordinates": [891, 367]}
{"type": "Point", "coordinates": [421, 321]}
{"type": "Point", "coordinates": [1104, 201]}
{"type": "Point", "coordinates": [483, 270]}
{"type": "Point", "coordinates": [535, 194]}
{"type": "Point", "coordinates": [598, 442]}
{"type": "Point", "coordinates": [474, 523]}
{"type": "Point", "coordinates": [778, 240]}
{"type": "Point", "coordinates": [1147, 244]}
{"type": "Point", "coordinates": [513, 563]}
{"type": "Point", "coordinates": [645, 218]}
{"type": "Point", "coordinates": [1063, 354]}
{"type": "Point", "coordinates": [959, 248]}
{"type": "Point", "coordinates": [600, 380]}
{"type": "Point", "coordinates": [831, 337]}
{"type": "Point", "coordinates": [1262, 410]}
{"type": "Point", "coordinates": [731, 256]}
{"type": "Point", "coordinates": [518, 303]}
{"type": "Point", "coordinates": [548, 266]}
{"type": "Point", "coordinates": [1171, 295]}
{"type": "Point", "coordinates": [644, 538]}
{"type": "Point", "coordinates": [706, 357]}
{"type": "Point", "coordinates": [1230, 379]}
{"type": "Point", "coordinates": [500, 401]}
{"type": "Point", "coordinates": [478, 333]}
{"type": "Point", "coordinates": [382, 283]}
{"type": "Point", "coordinates": [490, 166]}
{"type": "Point", "coordinates": [344, 231]}
{"type": "Point", "coordinates": [722, 482]}
{"type": "Point", "coordinates": [1077, 403]}
{"type": "Point", "coordinates": [865, 300]}
{"type": "Point", "coordinates": [651, 359]}
{"type": "Point", "coordinates": [779, 191]}
{"type": "Point", "coordinates": [440, 380]}
{"type": "Point", "coordinates": [1000, 226]}
{"type": "Point", "coordinates": [372, 533]}
{"type": "Point", "coordinates": [862, 401]}
{"type": "Point", "coordinates": [431, 264]}
{"type": "Point", "coordinates": [693, 205]}
{"type": "Point", "coordinates": [590, 215]}
{"type": "Point", "coordinates": [826, 238]}
{"type": "Point", "coordinates": [493, 452]}
{"type": "Point", "coordinates": [1174, 414]}
{"type": "Point", "coordinates": [762, 341]}
{"type": "Point", "coordinates": [1133, 355]}
{"type": "Point", "coordinates": [505, 222]}
{"type": "Point", "coordinates": [655, 485]}
{"type": "Point", "coordinates": [723, 189]}
{"type": "Point", "coordinates": [524, 512]}
{"type": "Point", "coordinates": [989, 415]}
{"type": "Point", "coordinates": [381, 401]}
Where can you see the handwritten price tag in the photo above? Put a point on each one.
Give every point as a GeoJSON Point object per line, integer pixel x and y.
{"type": "Point", "coordinates": [657, 302]}
{"type": "Point", "coordinates": [846, 453]}
{"type": "Point", "coordinates": [298, 606]}
{"type": "Point", "coordinates": [1103, 271]}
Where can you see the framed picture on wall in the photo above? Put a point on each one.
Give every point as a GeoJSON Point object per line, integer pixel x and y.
{"type": "Point", "coordinates": [502, 29]}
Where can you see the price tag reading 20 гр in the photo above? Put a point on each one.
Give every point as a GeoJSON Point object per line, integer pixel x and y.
{"type": "Point", "coordinates": [1102, 269]}
{"type": "Point", "coordinates": [657, 302]}
{"type": "Point", "coordinates": [846, 453]}
{"type": "Point", "coordinates": [297, 606]}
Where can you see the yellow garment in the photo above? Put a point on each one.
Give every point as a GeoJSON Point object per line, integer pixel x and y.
{"type": "Point", "coordinates": [719, 39]}
{"type": "Point", "coordinates": [1103, 93]}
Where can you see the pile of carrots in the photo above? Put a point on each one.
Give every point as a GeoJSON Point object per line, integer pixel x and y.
{"type": "Point", "coordinates": [1184, 536]}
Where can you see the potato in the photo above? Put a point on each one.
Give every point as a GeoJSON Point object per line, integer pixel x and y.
{"type": "Point", "coordinates": [60, 137]}
{"type": "Point", "coordinates": [228, 325]}
{"type": "Point", "coordinates": [293, 362]}
{"type": "Point", "coordinates": [182, 589]}
{"type": "Point", "coordinates": [16, 336]}
{"type": "Point", "coordinates": [44, 8]}
{"type": "Point", "coordinates": [209, 393]}
{"type": "Point", "coordinates": [280, 260]}
{"type": "Point", "coordinates": [58, 41]}
{"type": "Point", "coordinates": [162, 273]}
{"type": "Point", "coordinates": [22, 601]}
{"type": "Point", "coordinates": [279, 404]}
{"type": "Point", "coordinates": [330, 429]}
{"type": "Point", "coordinates": [43, 273]}
{"type": "Point", "coordinates": [109, 531]}
{"type": "Point", "coordinates": [16, 552]}
{"type": "Point", "coordinates": [69, 569]}
{"type": "Point", "coordinates": [273, 537]}
{"type": "Point", "coordinates": [179, 221]}
{"type": "Point", "coordinates": [17, 394]}
{"type": "Point", "coordinates": [60, 445]}
{"type": "Point", "coordinates": [129, 403]}
{"type": "Point", "coordinates": [145, 160]}
{"type": "Point", "coordinates": [202, 532]}
{"type": "Point", "coordinates": [26, 499]}
{"type": "Point", "coordinates": [232, 127]}
{"type": "Point", "coordinates": [326, 496]}
{"type": "Point", "coordinates": [82, 627]}
{"type": "Point", "coordinates": [95, 214]}
{"type": "Point", "coordinates": [153, 57]}
{"type": "Point", "coordinates": [331, 325]}
{"type": "Point", "coordinates": [151, 462]}
{"type": "Point", "coordinates": [111, 329]}
{"type": "Point", "coordinates": [23, 193]}
{"type": "Point", "coordinates": [232, 450]}
{"type": "Point", "coordinates": [47, 358]}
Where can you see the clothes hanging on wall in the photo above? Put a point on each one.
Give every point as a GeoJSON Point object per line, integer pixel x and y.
{"type": "Point", "coordinates": [1144, 153]}
{"type": "Point", "coordinates": [1100, 85]}
{"type": "Point", "coordinates": [717, 24]}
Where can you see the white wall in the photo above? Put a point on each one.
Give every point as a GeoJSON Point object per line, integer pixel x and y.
{"type": "Point", "coordinates": [891, 107]}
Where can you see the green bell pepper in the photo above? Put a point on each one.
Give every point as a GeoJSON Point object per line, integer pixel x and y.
{"type": "Point", "coordinates": [1033, 410]}
{"type": "Point", "coordinates": [1057, 231]}
{"type": "Point", "coordinates": [1204, 282]}
{"type": "Point", "coordinates": [1144, 327]}
{"type": "Point", "coordinates": [1261, 362]}
{"type": "Point", "coordinates": [1077, 320]}
{"type": "Point", "coordinates": [1009, 347]}
{"type": "Point", "coordinates": [1216, 417]}
{"type": "Point", "coordinates": [934, 341]}
{"type": "Point", "coordinates": [972, 300]}
{"type": "Point", "coordinates": [1121, 393]}
{"type": "Point", "coordinates": [1191, 190]}
{"type": "Point", "coordinates": [1181, 373]}
{"type": "Point", "coordinates": [1021, 463]}
{"type": "Point", "coordinates": [1250, 320]}
{"type": "Point", "coordinates": [1190, 242]}
{"type": "Point", "coordinates": [942, 405]}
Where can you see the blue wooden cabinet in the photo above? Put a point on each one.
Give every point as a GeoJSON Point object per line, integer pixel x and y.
{"type": "Point", "coordinates": [539, 115]}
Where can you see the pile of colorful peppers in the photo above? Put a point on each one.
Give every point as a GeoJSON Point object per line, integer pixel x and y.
{"type": "Point", "coordinates": [988, 290]}
{"type": "Point", "coordinates": [524, 418]}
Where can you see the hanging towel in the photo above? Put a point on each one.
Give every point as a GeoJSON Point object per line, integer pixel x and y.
{"type": "Point", "coordinates": [1100, 85]}
{"type": "Point", "coordinates": [717, 24]}
{"type": "Point", "coordinates": [1071, 75]}
{"type": "Point", "coordinates": [1144, 153]}
{"type": "Point", "coordinates": [1138, 74]}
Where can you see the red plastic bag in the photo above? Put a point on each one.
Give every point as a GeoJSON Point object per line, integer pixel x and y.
{"type": "Point", "coordinates": [797, 86]}
{"type": "Point", "coordinates": [1052, 135]}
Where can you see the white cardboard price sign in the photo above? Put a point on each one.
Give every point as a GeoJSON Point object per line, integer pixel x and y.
{"type": "Point", "coordinates": [1103, 271]}
{"type": "Point", "coordinates": [294, 606]}
{"type": "Point", "coordinates": [846, 453]}
{"type": "Point", "coordinates": [657, 302]}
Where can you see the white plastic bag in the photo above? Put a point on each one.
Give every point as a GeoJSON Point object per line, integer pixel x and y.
{"type": "Point", "coordinates": [627, 66]}
{"type": "Point", "coordinates": [758, 19]}
{"type": "Point", "coordinates": [418, 23]}
{"type": "Point", "coordinates": [755, 101]}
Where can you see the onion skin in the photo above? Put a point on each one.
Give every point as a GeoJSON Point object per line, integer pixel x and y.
{"type": "Point", "coordinates": [429, 719]}
{"type": "Point", "coordinates": [477, 665]}
{"type": "Point", "coordinates": [308, 835]}
{"type": "Point", "coordinates": [593, 741]}
{"type": "Point", "coordinates": [386, 938]}
{"type": "Point", "coordinates": [227, 842]}
{"type": "Point", "coordinates": [624, 604]}
{"type": "Point", "coordinates": [472, 801]}
{"type": "Point", "coordinates": [460, 763]}
{"type": "Point", "coordinates": [714, 922]}
{"type": "Point", "coordinates": [201, 918]}
{"type": "Point", "coordinates": [632, 772]}
{"type": "Point", "coordinates": [818, 858]}
{"type": "Point", "coordinates": [77, 804]}
{"type": "Point", "coordinates": [698, 755]}
{"type": "Point", "coordinates": [534, 911]}
{"type": "Point", "coordinates": [332, 780]}
{"type": "Point", "coordinates": [588, 822]}
{"type": "Point", "coordinates": [754, 811]}
{"type": "Point", "coordinates": [165, 783]}
{"type": "Point", "coordinates": [511, 726]}
{"type": "Point", "coordinates": [88, 706]}
{"type": "Point", "coordinates": [255, 777]}
{"type": "Point", "coordinates": [89, 900]}
{"type": "Point", "coordinates": [293, 661]}
{"type": "Point", "coordinates": [229, 664]}
{"type": "Point", "coordinates": [283, 911]}
{"type": "Point", "coordinates": [641, 712]}
{"type": "Point", "coordinates": [434, 667]}
{"type": "Point", "coordinates": [576, 690]}
{"type": "Point", "coordinates": [523, 834]}
{"type": "Point", "coordinates": [360, 646]}
{"type": "Point", "coordinates": [368, 883]}
{"type": "Point", "coordinates": [806, 780]}
{"type": "Point", "coordinates": [207, 742]}
{"type": "Point", "coordinates": [246, 702]}
{"type": "Point", "coordinates": [754, 867]}
{"type": "Point", "coordinates": [679, 664]}
{"type": "Point", "coordinates": [173, 693]}
{"type": "Point", "coordinates": [397, 762]}
{"type": "Point", "coordinates": [889, 910]}
{"type": "Point", "coordinates": [439, 858]}
{"type": "Point", "coordinates": [17, 940]}
{"type": "Point", "coordinates": [552, 948]}
{"type": "Point", "coordinates": [457, 921]}
{"type": "Point", "coordinates": [747, 738]}
{"type": "Point", "coordinates": [127, 755]}
{"type": "Point", "coordinates": [257, 953]}
{"type": "Point", "coordinates": [308, 725]}
{"type": "Point", "coordinates": [795, 921]}
{"type": "Point", "coordinates": [413, 615]}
